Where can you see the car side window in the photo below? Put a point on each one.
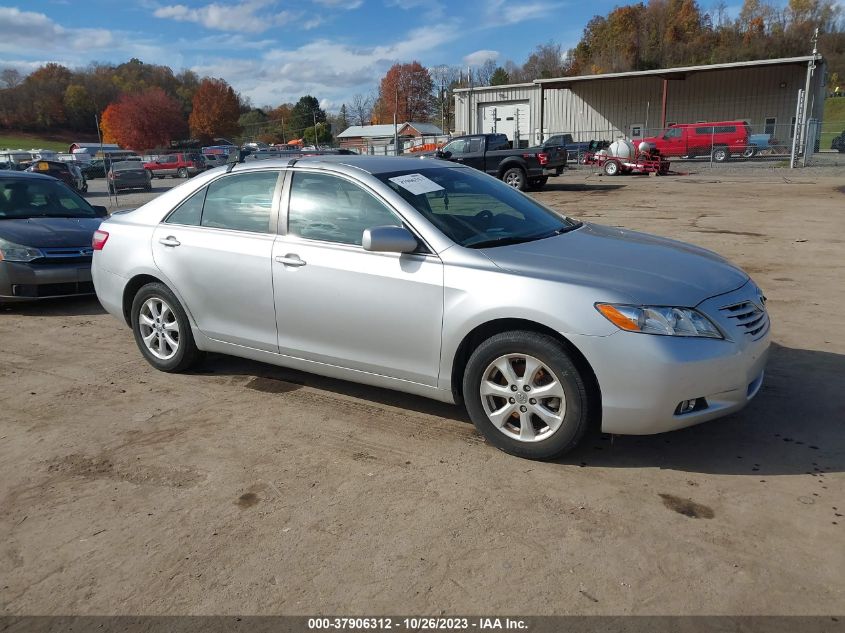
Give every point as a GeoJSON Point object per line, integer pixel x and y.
{"type": "Point", "coordinates": [475, 145]}
{"type": "Point", "coordinates": [189, 213]}
{"type": "Point", "coordinates": [240, 202]}
{"type": "Point", "coordinates": [331, 209]}
{"type": "Point", "coordinates": [456, 147]}
{"type": "Point", "coordinates": [673, 133]}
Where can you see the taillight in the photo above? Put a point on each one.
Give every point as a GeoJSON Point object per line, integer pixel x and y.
{"type": "Point", "coordinates": [99, 240]}
{"type": "Point", "coordinates": [543, 158]}
{"type": "Point", "coordinates": [111, 174]}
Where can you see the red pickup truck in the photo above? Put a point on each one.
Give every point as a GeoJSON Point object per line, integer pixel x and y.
{"type": "Point", "coordinates": [719, 139]}
{"type": "Point", "coordinates": [180, 165]}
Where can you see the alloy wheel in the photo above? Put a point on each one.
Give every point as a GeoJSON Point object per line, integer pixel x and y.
{"type": "Point", "coordinates": [159, 328]}
{"type": "Point", "coordinates": [522, 397]}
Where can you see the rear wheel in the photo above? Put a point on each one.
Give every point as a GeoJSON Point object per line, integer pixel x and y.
{"type": "Point", "coordinates": [162, 330]}
{"type": "Point", "coordinates": [611, 168]}
{"type": "Point", "coordinates": [749, 152]}
{"type": "Point", "coordinates": [182, 173]}
{"type": "Point", "coordinates": [526, 395]}
{"type": "Point", "coordinates": [149, 174]}
{"type": "Point", "coordinates": [515, 177]}
{"type": "Point", "coordinates": [720, 154]}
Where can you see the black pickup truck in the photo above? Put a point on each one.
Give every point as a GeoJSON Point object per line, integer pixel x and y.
{"type": "Point", "coordinates": [522, 169]}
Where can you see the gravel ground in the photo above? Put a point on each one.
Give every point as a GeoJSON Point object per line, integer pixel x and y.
{"type": "Point", "coordinates": [242, 488]}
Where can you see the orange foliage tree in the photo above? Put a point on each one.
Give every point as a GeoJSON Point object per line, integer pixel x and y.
{"type": "Point", "coordinates": [408, 86]}
{"type": "Point", "coordinates": [215, 111]}
{"type": "Point", "coordinates": [144, 120]}
{"type": "Point", "coordinates": [108, 122]}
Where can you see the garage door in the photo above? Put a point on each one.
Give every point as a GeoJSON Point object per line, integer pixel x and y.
{"type": "Point", "coordinates": [510, 119]}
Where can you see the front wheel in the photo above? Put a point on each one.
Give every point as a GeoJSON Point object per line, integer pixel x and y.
{"type": "Point", "coordinates": [162, 330]}
{"type": "Point", "coordinates": [514, 177]}
{"type": "Point", "coordinates": [720, 155]}
{"type": "Point", "coordinates": [526, 395]}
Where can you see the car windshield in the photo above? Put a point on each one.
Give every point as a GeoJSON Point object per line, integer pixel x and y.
{"type": "Point", "coordinates": [475, 210]}
{"type": "Point", "coordinates": [36, 198]}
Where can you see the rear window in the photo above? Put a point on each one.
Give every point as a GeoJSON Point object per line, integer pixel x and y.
{"type": "Point", "coordinates": [715, 129]}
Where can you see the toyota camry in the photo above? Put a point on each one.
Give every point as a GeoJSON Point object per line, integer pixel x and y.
{"type": "Point", "coordinates": [438, 280]}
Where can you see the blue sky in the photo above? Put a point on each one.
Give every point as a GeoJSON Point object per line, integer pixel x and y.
{"type": "Point", "coordinates": [274, 51]}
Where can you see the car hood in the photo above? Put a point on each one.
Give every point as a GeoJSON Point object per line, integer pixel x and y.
{"type": "Point", "coordinates": [50, 232]}
{"type": "Point", "coordinates": [647, 269]}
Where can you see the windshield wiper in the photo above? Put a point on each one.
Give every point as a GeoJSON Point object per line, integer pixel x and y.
{"type": "Point", "coordinates": [504, 241]}
{"type": "Point", "coordinates": [519, 239]}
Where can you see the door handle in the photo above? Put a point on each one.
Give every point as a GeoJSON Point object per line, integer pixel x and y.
{"type": "Point", "coordinates": [290, 259]}
{"type": "Point", "coordinates": [169, 241]}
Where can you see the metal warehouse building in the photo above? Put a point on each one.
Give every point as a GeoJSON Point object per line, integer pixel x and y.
{"type": "Point", "coordinates": [763, 93]}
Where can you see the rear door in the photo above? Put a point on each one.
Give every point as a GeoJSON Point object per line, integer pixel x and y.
{"type": "Point", "coordinates": [216, 251]}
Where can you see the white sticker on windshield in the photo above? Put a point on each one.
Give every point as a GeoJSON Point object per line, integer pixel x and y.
{"type": "Point", "coordinates": [416, 183]}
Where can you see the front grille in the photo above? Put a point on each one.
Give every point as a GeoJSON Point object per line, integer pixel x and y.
{"type": "Point", "coordinates": [39, 291]}
{"type": "Point", "coordinates": [748, 317]}
{"type": "Point", "coordinates": [66, 255]}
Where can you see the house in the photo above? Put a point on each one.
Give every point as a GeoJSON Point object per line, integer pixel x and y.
{"type": "Point", "coordinates": [375, 139]}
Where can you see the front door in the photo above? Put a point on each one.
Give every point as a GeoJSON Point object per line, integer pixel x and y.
{"type": "Point", "coordinates": [339, 304]}
{"type": "Point", "coordinates": [216, 251]}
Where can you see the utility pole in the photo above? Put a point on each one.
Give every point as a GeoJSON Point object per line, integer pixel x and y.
{"type": "Point", "coordinates": [314, 116]}
{"type": "Point", "coordinates": [395, 112]}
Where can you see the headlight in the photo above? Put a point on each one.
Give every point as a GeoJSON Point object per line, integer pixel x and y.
{"type": "Point", "coordinates": [18, 253]}
{"type": "Point", "coordinates": [664, 320]}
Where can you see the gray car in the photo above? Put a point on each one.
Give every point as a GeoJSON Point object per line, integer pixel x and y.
{"type": "Point", "coordinates": [128, 174]}
{"type": "Point", "coordinates": [437, 280]}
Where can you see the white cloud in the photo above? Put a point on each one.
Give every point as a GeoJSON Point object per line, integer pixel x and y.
{"type": "Point", "coordinates": [479, 57]}
{"type": "Point", "coordinates": [341, 4]}
{"type": "Point", "coordinates": [324, 68]}
{"type": "Point", "coordinates": [22, 30]}
{"type": "Point", "coordinates": [249, 16]}
{"type": "Point", "coordinates": [506, 12]}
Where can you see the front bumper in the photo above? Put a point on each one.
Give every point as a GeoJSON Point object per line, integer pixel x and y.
{"type": "Point", "coordinates": [21, 281]}
{"type": "Point", "coordinates": [643, 378]}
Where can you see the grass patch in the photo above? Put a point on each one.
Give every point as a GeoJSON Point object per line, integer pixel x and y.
{"type": "Point", "coordinates": [58, 142]}
{"type": "Point", "coordinates": [833, 122]}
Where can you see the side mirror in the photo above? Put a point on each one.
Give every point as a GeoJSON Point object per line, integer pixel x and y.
{"type": "Point", "coordinates": [444, 155]}
{"type": "Point", "coordinates": [389, 239]}
{"type": "Point", "coordinates": [102, 212]}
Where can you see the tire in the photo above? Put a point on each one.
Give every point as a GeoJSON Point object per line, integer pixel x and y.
{"type": "Point", "coordinates": [611, 168]}
{"type": "Point", "coordinates": [148, 187]}
{"type": "Point", "coordinates": [149, 174]}
{"type": "Point", "coordinates": [112, 190]}
{"type": "Point", "coordinates": [175, 353]}
{"type": "Point", "coordinates": [720, 154]}
{"type": "Point", "coordinates": [749, 152]}
{"type": "Point", "coordinates": [538, 183]}
{"type": "Point", "coordinates": [565, 421]}
{"type": "Point", "coordinates": [515, 177]}
{"type": "Point", "coordinates": [182, 172]}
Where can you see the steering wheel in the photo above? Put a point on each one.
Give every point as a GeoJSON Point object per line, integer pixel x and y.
{"type": "Point", "coordinates": [485, 214]}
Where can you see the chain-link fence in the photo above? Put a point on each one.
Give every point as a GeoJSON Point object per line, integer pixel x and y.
{"type": "Point", "coordinates": [714, 144]}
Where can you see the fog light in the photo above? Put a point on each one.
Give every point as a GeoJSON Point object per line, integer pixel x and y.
{"type": "Point", "coordinates": [688, 406]}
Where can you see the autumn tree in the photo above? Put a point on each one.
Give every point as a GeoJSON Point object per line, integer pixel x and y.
{"type": "Point", "coordinates": [215, 110]}
{"type": "Point", "coordinates": [109, 122]}
{"type": "Point", "coordinates": [405, 90]}
{"type": "Point", "coordinates": [145, 120]}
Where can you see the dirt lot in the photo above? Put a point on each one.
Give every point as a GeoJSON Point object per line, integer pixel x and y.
{"type": "Point", "coordinates": [247, 489]}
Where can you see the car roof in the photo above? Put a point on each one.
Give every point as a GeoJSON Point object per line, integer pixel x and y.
{"type": "Point", "coordinates": [24, 174]}
{"type": "Point", "coordinates": [371, 164]}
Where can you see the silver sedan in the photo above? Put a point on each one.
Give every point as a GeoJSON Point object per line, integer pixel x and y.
{"type": "Point", "coordinates": [438, 280]}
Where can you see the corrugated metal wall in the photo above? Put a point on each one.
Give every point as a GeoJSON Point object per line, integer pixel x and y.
{"type": "Point", "coordinates": [608, 108]}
